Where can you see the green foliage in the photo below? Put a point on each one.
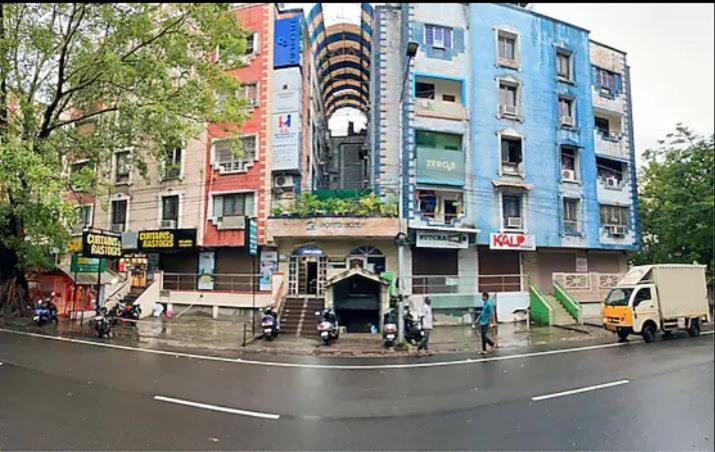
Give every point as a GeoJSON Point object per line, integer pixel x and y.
{"type": "Point", "coordinates": [676, 201]}
{"type": "Point", "coordinates": [79, 81]}
{"type": "Point", "coordinates": [309, 205]}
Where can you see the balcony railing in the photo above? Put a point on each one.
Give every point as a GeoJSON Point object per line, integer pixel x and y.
{"type": "Point", "coordinates": [459, 284]}
{"type": "Point", "coordinates": [224, 282]}
{"type": "Point", "coordinates": [611, 145]}
{"type": "Point", "coordinates": [439, 109]}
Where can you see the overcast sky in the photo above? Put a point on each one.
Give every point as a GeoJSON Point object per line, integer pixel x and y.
{"type": "Point", "coordinates": [670, 51]}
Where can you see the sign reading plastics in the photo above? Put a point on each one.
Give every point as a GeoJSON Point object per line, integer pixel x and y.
{"type": "Point", "coordinates": [101, 244]}
{"type": "Point", "coordinates": [167, 239]}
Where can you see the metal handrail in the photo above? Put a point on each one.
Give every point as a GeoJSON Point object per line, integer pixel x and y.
{"type": "Point", "coordinates": [229, 282]}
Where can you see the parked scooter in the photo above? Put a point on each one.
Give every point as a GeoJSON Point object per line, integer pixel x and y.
{"type": "Point", "coordinates": [270, 324]}
{"type": "Point", "coordinates": [124, 311]}
{"type": "Point", "coordinates": [389, 328]}
{"type": "Point", "coordinates": [45, 311]}
{"type": "Point", "coordinates": [413, 329]}
{"type": "Point", "coordinates": [328, 326]}
{"type": "Point", "coordinates": [101, 325]}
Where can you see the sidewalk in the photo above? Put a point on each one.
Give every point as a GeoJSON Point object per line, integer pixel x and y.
{"type": "Point", "coordinates": [201, 334]}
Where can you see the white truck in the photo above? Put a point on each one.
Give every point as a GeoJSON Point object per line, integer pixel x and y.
{"type": "Point", "coordinates": [652, 298]}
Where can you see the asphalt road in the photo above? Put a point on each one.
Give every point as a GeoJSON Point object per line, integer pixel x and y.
{"type": "Point", "coordinates": [62, 395]}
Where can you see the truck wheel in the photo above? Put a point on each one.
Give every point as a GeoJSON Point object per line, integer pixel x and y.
{"type": "Point", "coordinates": [622, 335]}
{"type": "Point", "coordinates": [694, 328]}
{"type": "Point", "coordinates": [649, 333]}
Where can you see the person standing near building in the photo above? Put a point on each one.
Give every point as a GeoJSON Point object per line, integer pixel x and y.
{"type": "Point", "coordinates": [427, 324]}
{"type": "Point", "coordinates": [484, 320]}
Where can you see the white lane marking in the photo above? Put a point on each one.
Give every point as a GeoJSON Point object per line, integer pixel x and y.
{"type": "Point", "coordinates": [577, 391]}
{"type": "Point", "coordinates": [222, 409]}
{"type": "Point", "coordinates": [323, 366]}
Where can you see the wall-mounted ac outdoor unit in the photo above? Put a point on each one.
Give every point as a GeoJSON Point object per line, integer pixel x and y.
{"type": "Point", "coordinates": [168, 224]}
{"type": "Point", "coordinates": [568, 174]}
{"type": "Point", "coordinates": [611, 182]}
{"type": "Point", "coordinates": [616, 230]}
{"type": "Point", "coordinates": [566, 121]}
{"type": "Point", "coordinates": [284, 181]}
{"type": "Point", "coordinates": [231, 222]}
{"type": "Point", "coordinates": [508, 110]}
{"type": "Point", "coordinates": [513, 222]}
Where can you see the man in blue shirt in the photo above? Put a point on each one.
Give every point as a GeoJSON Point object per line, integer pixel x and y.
{"type": "Point", "coordinates": [484, 320]}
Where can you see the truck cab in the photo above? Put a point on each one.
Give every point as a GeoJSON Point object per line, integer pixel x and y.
{"type": "Point", "coordinates": [652, 298]}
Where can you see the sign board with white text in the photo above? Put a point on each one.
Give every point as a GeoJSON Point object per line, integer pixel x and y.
{"type": "Point", "coordinates": [511, 241]}
{"type": "Point", "coordinates": [436, 239]}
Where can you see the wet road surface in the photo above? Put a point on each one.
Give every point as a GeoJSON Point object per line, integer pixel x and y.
{"type": "Point", "coordinates": [63, 395]}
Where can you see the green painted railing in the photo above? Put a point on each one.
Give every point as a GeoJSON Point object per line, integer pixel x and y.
{"type": "Point", "coordinates": [569, 303]}
{"type": "Point", "coordinates": [541, 309]}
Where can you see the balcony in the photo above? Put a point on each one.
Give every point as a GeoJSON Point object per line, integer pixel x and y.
{"type": "Point", "coordinates": [601, 99]}
{"type": "Point", "coordinates": [611, 144]}
{"type": "Point", "coordinates": [439, 109]}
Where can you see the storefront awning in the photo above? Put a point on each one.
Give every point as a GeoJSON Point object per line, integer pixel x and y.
{"type": "Point", "coordinates": [499, 183]}
{"type": "Point", "coordinates": [356, 271]}
{"type": "Point", "coordinates": [88, 279]}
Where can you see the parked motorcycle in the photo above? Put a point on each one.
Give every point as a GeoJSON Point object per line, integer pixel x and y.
{"type": "Point", "coordinates": [124, 311]}
{"type": "Point", "coordinates": [44, 312]}
{"type": "Point", "coordinates": [413, 329]}
{"type": "Point", "coordinates": [269, 323]}
{"type": "Point", "coordinates": [389, 328]}
{"type": "Point", "coordinates": [328, 326]}
{"type": "Point", "coordinates": [102, 325]}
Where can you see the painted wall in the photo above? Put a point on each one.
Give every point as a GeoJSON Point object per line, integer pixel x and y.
{"type": "Point", "coordinates": [538, 39]}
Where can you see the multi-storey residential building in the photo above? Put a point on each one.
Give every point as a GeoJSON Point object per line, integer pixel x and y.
{"type": "Point", "coordinates": [517, 151]}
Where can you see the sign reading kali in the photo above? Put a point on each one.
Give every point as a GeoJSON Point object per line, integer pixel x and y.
{"type": "Point", "coordinates": [167, 239]}
{"type": "Point", "coordinates": [101, 244]}
{"type": "Point", "coordinates": [523, 242]}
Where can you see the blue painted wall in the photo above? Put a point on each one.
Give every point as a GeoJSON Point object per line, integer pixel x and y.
{"type": "Point", "coordinates": [539, 38]}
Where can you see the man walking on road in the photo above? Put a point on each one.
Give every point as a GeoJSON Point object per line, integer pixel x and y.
{"type": "Point", "coordinates": [484, 320]}
{"type": "Point", "coordinates": [427, 323]}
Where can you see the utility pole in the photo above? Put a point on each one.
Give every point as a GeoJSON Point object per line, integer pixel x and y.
{"type": "Point", "coordinates": [401, 239]}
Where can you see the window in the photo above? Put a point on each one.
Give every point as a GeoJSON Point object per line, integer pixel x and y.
{"type": "Point", "coordinates": [85, 219]}
{"type": "Point", "coordinates": [570, 216]}
{"type": "Point", "coordinates": [511, 155]}
{"type": "Point", "coordinates": [563, 65]}
{"type": "Point", "coordinates": [511, 208]}
{"type": "Point", "coordinates": [449, 98]}
{"type": "Point", "coordinates": [436, 140]}
{"type": "Point", "coordinates": [606, 79]}
{"type": "Point", "coordinates": [172, 165]}
{"type": "Point", "coordinates": [506, 48]}
{"type": "Point", "coordinates": [569, 170]}
{"type": "Point", "coordinates": [227, 161]}
{"type": "Point", "coordinates": [566, 112]}
{"type": "Point", "coordinates": [119, 215]}
{"type": "Point", "coordinates": [610, 172]}
{"type": "Point", "coordinates": [427, 203]}
{"type": "Point", "coordinates": [233, 205]}
{"type": "Point", "coordinates": [170, 208]}
{"type": "Point", "coordinates": [614, 215]}
{"type": "Point", "coordinates": [251, 44]}
{"type": "Point", "coordinates": [602, 126]}
{"type": "Point", "coordinates": [249, 91]}
{"type": "Point", "coordinates": [424, 90]}
{"type": "Point", "coordinates": [438, 37]}
{"type": "Point", "coordinates": [642, 295]}
{"type": "Point", "coordinates": [440, 207]}
{"type": "Point", "coordinates": [508, 100]}
{"type": "Point", "coordinates": [122, 166]}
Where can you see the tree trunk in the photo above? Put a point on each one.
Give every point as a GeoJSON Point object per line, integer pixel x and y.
{"type": "Point", "coordinates": [14, 292]}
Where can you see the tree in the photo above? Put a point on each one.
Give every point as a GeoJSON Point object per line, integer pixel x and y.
{"type": "Point", "coordinates": [78, 81]}
{"type": "Point", "coordinates": [676, 200]}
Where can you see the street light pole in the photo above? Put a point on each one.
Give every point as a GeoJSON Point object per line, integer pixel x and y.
{"type": "Point", "coordinates": [402, 236]}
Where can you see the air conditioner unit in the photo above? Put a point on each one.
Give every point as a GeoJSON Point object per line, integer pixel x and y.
{"type": "Point", "coordinates": [284, 182]}
{"type": "Point", "coordinates": [567, 121]}
{"type": "Point", "coordinates": [508, 110]}
{"type": "Point", "coordinates": [232, 222]}
{"type": "Point", "coordinates": [568, 174]}
{"type": "Point", "coordinates": [168, 224]}
{"type": "Point", "coordinates": [616, 229]}
{"type": "Point", "coordinates": [513, 222]}
{"type": "Point", "coordinates": [611, 182]}
{"type": "Point", "coordinates": [425, 104]}
{"type": "Point", "coordinates": [506, 62]}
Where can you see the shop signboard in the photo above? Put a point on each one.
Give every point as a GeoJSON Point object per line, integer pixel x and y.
{"type": "Point", "coordinates": [286, 101]}
{"type": "Point", "coordinates": [166, 240]}
{"type": "Point", "coordinates": [80, 264]}
{"type": "Point", "coordinates": [129, 240]}
{"type": "Point", "coordinates": [436, 239]}
{"type": "Point", "coordinates": [269, 264]}
{"type": "Point", "coordinates": [288, 38]}
{"type": "Point", "coordinates": [440, 166]}
{"type": "Point", "coordinates": [252, 237]}
{"type": "Point", "coordinates": [101, 244]}
{"type": "Point", "coordinates": [285, 141]}
{"type": "Point", "coordinates": [74, 245]}
{"type": "Point", "coordinates": [510, 241]}
{"type": "Point", "coordinates": [206, 270]}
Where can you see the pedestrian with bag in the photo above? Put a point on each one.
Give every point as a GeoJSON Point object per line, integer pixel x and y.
{"type": "Point", "coordinates": [484, 322]}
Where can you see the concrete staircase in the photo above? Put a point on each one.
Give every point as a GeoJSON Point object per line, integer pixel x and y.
{"type": "Point", "coordinates": [563, 318]}
{"type": "Point", "coordinates": [298, 317]}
